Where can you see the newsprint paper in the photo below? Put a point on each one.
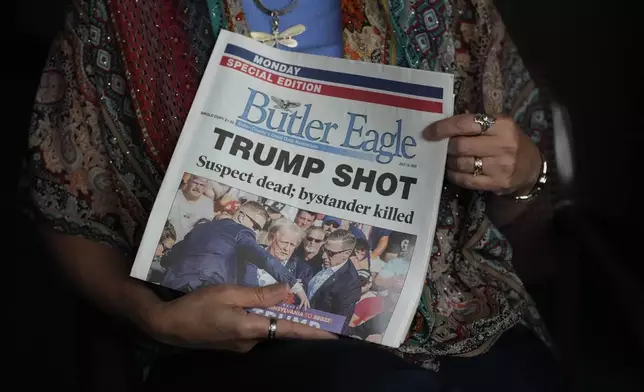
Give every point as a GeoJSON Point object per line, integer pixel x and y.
{"type": "Point", "coordinates": [308, 170]}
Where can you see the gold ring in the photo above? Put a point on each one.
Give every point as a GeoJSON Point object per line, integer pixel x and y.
{"type": "Point", "coordinates": [478, 166]}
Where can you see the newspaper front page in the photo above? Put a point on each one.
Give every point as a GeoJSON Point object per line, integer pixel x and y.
{"type": "Point", "coordinates": [308, 170]}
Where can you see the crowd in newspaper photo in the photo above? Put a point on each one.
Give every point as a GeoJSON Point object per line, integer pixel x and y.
{"type": "Point", "coordinates": [345, 273]}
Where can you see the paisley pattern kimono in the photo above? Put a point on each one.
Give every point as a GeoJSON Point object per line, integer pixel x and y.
{"type": "Point", "coordinates": [122, 75]}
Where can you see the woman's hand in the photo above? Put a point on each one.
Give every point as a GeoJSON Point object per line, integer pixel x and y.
{"type": "Point", "coordinates": [214, 318]}
{"type": "Point", "coordinates": [511, 161]}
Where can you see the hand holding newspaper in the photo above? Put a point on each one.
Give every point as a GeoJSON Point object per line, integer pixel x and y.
{"type": "Point", "coordinates": [307, 170]}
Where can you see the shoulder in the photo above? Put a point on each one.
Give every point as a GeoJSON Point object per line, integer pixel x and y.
{"type": "Point", "coordinates": [352, 277]}
{"type": "Point", "coordinates": [227, 224]}
{"type": "Point", "coordinates": [238, 230]}
{"type": "Point", "coordinates": [350, 271]}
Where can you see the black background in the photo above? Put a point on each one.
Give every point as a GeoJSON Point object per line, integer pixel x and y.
{"type": "Point", "coordinates": [584, 53]}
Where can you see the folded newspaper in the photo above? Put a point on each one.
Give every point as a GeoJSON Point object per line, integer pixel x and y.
{"type": "Point", "coordinates": [308, 170]}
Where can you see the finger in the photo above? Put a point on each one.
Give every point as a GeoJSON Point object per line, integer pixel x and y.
{"type": "Point", "coordinates": [474, 146]}
{"type": "Point", "coordinates": [244, 346]}
{"type": "Point", "coordinates": [256, 327]}
{"type": "Point", "coordinates": [240, 346]}
{"type": "Point", "coordinates": [260, 297]}
{"type": "Point", "coordinates": [466, 165]}
{"type": "Point", "coordinates": [291, 330]}
{"type": "Point", "coordinates": [460, 125]}
{"type": "Point", "coordinates": [469, 181]}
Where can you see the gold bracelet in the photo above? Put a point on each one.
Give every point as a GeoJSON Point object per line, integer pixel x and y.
{"type": "Point", "coordinates": [538, 186]}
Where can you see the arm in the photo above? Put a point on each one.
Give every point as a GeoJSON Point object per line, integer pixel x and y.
{"type": "Point", "coordinates": [211, 317]}
{"type": "Point", "coordinates": [305, 274]}
{"type": "Point", "coordinates": [367, 286]}
{"type": "Point", "coordinates": [251, 252]}
{"type": "Point", "coordinates": [107, 210]}
{"type": "Point", "coordinates": [533, 119]}
{"type": "Point", "coordinates": [346, 299]}
{"type": "Point", "coordinates": [276, 269]}
{"type": "Point", "coordinates": [103, 278]}
{"type": "Point", "coordinates": [380, 247]}
{"type": "Point", "coordinates": [503, 210]}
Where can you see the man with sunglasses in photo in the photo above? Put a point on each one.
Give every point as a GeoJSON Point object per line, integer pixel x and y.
{"type": "Point", "coordinates": [220, 252]}
{"type": "Point", "coordinates": [309, 250]}
{"type": "Point", "coordinates": [336, 288]}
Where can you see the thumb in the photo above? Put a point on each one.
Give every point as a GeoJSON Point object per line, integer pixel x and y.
{"type": "Point", "coordinates": [259, 297]}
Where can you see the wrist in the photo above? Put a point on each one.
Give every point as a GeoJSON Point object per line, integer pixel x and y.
{"type": "Point", "coordinates": [529, 186]}
{"type": "Point", "coordinates": [297, 288]}
{"type": "Point", "coordinates": [155, 321]}
{"type": "Point", "coordinates": [532, 179]}
{"type": "Point", "coordinates": [537, 181]}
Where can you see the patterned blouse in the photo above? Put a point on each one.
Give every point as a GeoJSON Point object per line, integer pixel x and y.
{"type": "Point", "coordinates": [119, 82]}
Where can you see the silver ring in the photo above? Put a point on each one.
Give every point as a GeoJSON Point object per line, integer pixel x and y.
{"type": "Point", "coordinates": [478, 167]}
{"type": "Point", "coordinates": [485, 121]}
{"type": "Point", "coordinates": [272, 328]}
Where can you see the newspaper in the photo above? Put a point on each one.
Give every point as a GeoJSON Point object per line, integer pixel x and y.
{"type": "Point", "coordinates": [308, 170]}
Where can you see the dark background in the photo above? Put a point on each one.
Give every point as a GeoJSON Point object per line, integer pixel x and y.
{"type": "Point", "coordinates": [584, 54]}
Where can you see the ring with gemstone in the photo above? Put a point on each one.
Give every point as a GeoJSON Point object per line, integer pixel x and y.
{"type": "Point", "coordinates": [485, 121]}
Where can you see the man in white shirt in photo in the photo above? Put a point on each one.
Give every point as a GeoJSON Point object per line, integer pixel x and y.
{"type": "Point", "coordinates": [190, 205]}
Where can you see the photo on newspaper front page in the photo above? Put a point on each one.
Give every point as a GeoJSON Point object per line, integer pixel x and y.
{"type": "Point", "coordinates": [308, 170]}
{"type": "Point", "coordinates": [351, 273]}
